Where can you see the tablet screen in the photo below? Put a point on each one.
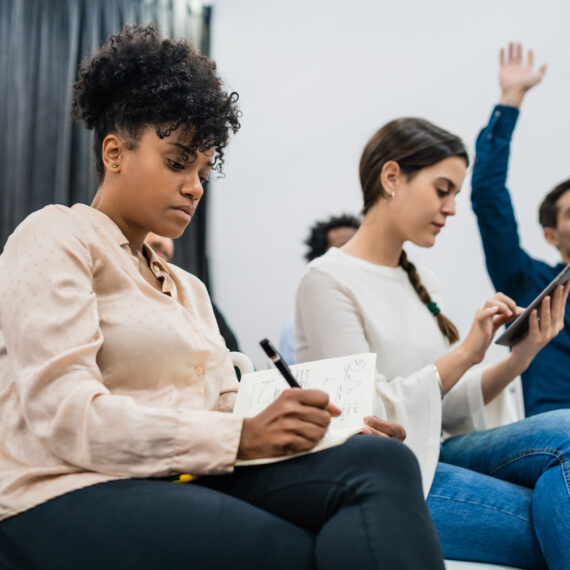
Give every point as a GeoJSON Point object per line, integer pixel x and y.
{"type": "Point", "coordinates": [517, 330]}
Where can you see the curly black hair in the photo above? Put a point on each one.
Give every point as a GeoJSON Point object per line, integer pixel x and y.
{"type": "Point", "coordinates": [318, 237]}
{"type": "Point", "coordinates": [137, 79]}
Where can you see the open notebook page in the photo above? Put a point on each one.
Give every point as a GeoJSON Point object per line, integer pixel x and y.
{"type": "Point", "coordinates": [348, 380]}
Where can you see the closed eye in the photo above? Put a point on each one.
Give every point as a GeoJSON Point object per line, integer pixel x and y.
{"type": "Point", "coordinates": [442, 193]}
{"type": "Point", "coordinates": [175, 165]}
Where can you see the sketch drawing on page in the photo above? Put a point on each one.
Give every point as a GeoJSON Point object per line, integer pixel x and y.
{"type": "Point", "coordinates": [349, 382]}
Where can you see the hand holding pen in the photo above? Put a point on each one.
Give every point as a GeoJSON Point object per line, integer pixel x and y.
{"type": "Point", "coordinates": [296, 421]}
{"type": "Point", "coordinates": [373, 425]}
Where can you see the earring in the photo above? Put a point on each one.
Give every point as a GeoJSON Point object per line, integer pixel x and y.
{"type": "Point", "coordinates": [393, 194]}
{"type": "Point", "coordinates": [115, 166]}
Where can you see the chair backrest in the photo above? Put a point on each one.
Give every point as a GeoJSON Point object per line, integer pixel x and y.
{"type": "Point", "coordinates": [242, 362]}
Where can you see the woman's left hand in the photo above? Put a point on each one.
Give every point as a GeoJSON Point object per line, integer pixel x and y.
{"type": "Point", "coordinates": [384, 428]}
{"type": "Point", "coordinates": [542, 330]}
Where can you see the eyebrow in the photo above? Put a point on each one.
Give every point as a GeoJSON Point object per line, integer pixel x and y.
{"type": "Point", "coordinates": [188, 150]}
{"type": "Point", "coordinates": [182, 146]}
{"type": "Point", "coordinates": [450, 182]}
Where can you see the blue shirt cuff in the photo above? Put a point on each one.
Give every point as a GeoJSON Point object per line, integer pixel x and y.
{"type": "Point", "coordinates": [503, 121]}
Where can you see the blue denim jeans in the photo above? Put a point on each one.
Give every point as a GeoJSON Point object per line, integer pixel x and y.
{"type": "Point", "coordinates": [503, 495]}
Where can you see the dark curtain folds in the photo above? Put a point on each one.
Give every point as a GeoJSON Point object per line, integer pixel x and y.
{"type": "Point", "coordinates": [44, 156]}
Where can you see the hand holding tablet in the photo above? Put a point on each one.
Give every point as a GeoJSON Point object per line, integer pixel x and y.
{"type": "Point", "coordinates": [518, 329]}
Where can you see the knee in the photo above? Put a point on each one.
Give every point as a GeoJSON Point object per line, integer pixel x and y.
{"type": "Point", "coordinates": [556, 419]}
{"type": "Point", "coordinates": [554, 428]}
{"type": "Point", "coordinates": [383, 460]}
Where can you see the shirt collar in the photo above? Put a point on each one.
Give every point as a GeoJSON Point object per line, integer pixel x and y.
{"type": "Point", "coordinates": [156, 262]}
{"type": "Point", "coordinates": [104, 223]}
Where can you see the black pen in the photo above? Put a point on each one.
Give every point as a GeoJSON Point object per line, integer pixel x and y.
{"type": "Point", "coordinates": [279, 363]}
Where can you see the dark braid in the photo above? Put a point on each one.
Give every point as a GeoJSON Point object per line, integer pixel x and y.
{"type": "Point", "coordinates": [445, 325]}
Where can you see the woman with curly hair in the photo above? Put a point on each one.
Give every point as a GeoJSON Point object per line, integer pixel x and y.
{"type": "Point", "coordinates": [114, 379]}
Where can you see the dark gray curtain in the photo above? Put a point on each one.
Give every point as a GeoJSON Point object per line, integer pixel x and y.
{"type": "Point", "coordinates": [44, 156]}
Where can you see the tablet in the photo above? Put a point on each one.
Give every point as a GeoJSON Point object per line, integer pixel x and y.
{"type": "Point", "coordinates": [518, 328]}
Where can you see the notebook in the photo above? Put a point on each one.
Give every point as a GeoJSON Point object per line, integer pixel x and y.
{"type": "Point", "coordinates": [348, 380]}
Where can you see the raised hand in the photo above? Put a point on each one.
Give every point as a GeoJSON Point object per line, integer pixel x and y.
{"type": "Point", "coordinates": [515, 76]}
{"type": "Point", "coordinates": [295, 422]}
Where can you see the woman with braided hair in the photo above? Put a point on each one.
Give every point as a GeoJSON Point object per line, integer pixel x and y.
{"type": "Point", "coordinates": [495, 495]}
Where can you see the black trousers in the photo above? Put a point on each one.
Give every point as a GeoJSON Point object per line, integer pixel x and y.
{"type": "Point", "coordinates": [359, 505]}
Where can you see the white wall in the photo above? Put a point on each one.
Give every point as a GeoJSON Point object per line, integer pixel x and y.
{"type": "Point", "coordinates": [316, 78]}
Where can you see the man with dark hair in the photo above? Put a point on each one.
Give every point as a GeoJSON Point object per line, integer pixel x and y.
{"type": "Point", "coordinates": [332, 232]}
{"type": "Point", "coordinates": [546, 382]}
{"type": "Point", "coordinates": [549, 217]}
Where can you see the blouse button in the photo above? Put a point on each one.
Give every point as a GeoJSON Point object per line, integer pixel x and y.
{"type": "Point", "coordinates": [195, 328]}
{"type": "Point", "coordinates": [199, 370]}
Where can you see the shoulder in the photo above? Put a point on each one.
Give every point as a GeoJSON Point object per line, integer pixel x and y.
{"type": "Point", "coordinates": [334, 265]}
{"type": "Point", "coordinates": [325, 270]}
{"type": "Point", "coordinates": [340, 276]}
{"type": "Point", "coordinates": [53, 224]}
{"type": "Point", "coordinates": [47, 217]}
{"type": "Point", "coordinates": [51, 248]}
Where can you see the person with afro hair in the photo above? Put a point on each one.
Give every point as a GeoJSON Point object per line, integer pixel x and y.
{"type": "Point", "coordinates": [118, 445]}
{"type": "Point", "coordinates": [332, 232]}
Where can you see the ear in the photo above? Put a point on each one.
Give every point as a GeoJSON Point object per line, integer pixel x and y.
{"type": "Point", "coordinates": [551, 236]}
{"type": "Point", "coordinates": [390, 176]}
{"type": "Point", "coordinates": [111, 151]}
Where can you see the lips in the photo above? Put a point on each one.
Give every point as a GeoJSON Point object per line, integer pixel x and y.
{"type": "Point", "coordinates": [188, 209]}
{"type": "Point", "coordinates": [186, 212]}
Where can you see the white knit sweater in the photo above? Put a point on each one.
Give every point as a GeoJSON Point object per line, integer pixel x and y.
{"type": "Point", "coordinates": [346, 305]}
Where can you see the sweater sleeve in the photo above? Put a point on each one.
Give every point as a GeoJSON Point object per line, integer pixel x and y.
{"type": "Point", "coordinates": [463, 407]}
{"type": "Point", "coordinates": [329, 323]}
{"type": "Point", "coordinates": [507, 263]}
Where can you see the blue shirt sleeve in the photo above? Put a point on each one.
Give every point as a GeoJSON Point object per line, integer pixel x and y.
{"type": "Point", "coordinates": [287, 341]}
{"type": "Point", "coordinates": [510, 267]}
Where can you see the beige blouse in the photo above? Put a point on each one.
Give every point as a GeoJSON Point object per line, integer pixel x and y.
{"type": "Point", "coordinates": [103, 376]}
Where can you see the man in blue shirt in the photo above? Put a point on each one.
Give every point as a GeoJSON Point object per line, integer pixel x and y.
{"type": "Point", "coordinates": [546, 382]}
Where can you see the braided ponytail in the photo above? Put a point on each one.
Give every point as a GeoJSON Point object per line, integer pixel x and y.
{"type": "Point", "coordinates": [445, 325]}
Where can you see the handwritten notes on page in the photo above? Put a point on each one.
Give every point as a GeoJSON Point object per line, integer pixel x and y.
{"type": "Point", "coordinates": [348, 380]}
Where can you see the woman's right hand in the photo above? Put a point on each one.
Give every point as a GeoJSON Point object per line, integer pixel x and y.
{"type": "Point", "coordinates": [497, 311]}
{"type": "Point", "coordinates": [295, 422]}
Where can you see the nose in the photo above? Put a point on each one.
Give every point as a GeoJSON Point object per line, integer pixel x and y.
{"type": "Point", "coordinates": [449, 206]}
{"type": "Point", "coordinates": [192, 187]}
